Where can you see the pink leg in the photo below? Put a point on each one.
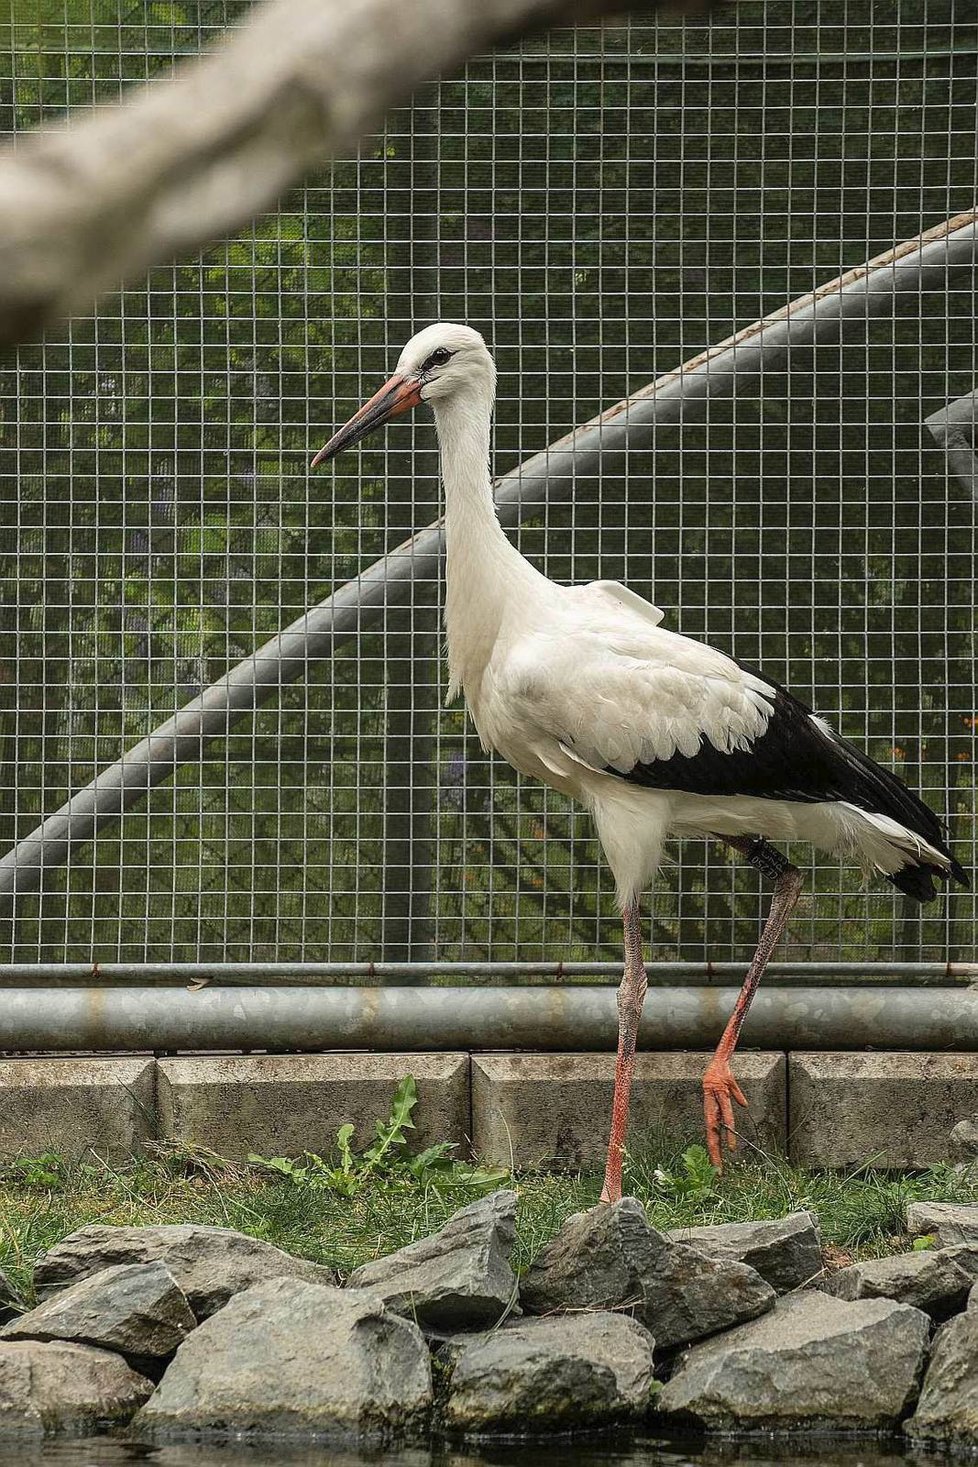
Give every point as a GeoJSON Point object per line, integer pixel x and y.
{"type": "Point", "coordinates": [720, 1088]}
{"type": "Point", "coordinates": [631, 995]}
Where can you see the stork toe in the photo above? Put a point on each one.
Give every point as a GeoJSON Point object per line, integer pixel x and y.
{"type": "Point", "coordinates": [720, 1090]}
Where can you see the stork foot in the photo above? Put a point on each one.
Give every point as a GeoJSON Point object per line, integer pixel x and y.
{"type": "Point", "coordinates": [720, 1090]}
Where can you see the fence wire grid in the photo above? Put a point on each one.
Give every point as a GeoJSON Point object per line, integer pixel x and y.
{"type": "Point", "coordinates": [602, 205]}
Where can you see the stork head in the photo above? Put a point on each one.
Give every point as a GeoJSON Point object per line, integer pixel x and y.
{"type": "Point", "coordinates": [442, 362]}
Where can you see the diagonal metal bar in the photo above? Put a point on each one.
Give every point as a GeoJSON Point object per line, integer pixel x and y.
{"type": "Point", "coordinates": [869, 290]}
{"type": "Point", "coordinates": [954, 429]}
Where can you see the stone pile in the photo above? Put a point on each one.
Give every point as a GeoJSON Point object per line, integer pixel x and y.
{"type": "Point", "coordinates": [203, 1332]}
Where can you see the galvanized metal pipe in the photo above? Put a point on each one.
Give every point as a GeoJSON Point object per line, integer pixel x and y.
{"type": "Point", "coordinates": [918, 264]}
{"type": "Point", "coordinates": [828, 974]}
{"type": "Point", "coordinates": [409, 1019]}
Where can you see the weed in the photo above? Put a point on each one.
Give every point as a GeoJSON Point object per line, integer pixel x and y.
{"type": "Point", "coordinates": [695, 1179]}
{"type": "Point", "coordinates": [46, 1170]}
{"type": "Point", "coordinates": [386, 1157]}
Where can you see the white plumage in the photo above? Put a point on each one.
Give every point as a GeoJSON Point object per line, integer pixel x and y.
{"type": "Point", "coordinates": [658, 735]}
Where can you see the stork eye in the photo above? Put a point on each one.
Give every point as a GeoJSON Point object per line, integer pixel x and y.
{"type": "Point", "coordinates": [438, 357]}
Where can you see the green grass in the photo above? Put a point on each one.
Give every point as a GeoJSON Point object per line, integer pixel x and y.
{"type": "Point", "coordinates": [42, 1200]}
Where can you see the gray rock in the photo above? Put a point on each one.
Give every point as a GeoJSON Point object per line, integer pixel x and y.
{"type": "Point", "coordinates": [963, 1142]}
{"type": "Point", "coordinates": [953, 1224]}
{"type": "Point", "coordinates": [209, 1264]}
{"type": "Point", "coordinates": [938, 1280]}
{"type": "Point", "coordinates": [61, 1387]}
{"type": "Point", "coordinates": [597, 1259]}
{"type": "Point", "coordinates": [609, 1258]}
{"type": "Point", "coordinates": [459, 1277]}
{"type": "Point", "coordinates": [947, 1411]}
{"type": "Point", "coordinates": [814, 1363]}
{"type": "Point", "coordinates": [134, 1308]}
{"type": "Point", "coordinates": [290, 1358]}
{"type": "Point", "coordinates": [541, 1375]}
{"type": "Point", "coordinates": [691, 1296]}
{"type": "Point", "coordinates": [787, 1251]}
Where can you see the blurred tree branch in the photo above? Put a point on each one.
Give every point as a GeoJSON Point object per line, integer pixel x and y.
{"type": "Point", "coordinates": [185, 160]}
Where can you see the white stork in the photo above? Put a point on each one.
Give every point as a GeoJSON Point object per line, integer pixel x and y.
{"type": "Point", "coordinates": [658, 735]}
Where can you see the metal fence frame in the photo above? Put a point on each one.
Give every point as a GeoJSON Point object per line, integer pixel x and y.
{"type": "Point", "coordinates": [868, 290]}
{"type": "Point", "coordinates": [821, 319]}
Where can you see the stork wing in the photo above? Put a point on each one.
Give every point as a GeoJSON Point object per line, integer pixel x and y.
{"type": "Point", "coordinates": [621, 694]}
{"type": "Point", "coordinates": [662, 711]}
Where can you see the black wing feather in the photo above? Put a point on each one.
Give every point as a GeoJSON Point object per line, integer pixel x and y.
{"type": "Point", "coordinates": [796, 759]}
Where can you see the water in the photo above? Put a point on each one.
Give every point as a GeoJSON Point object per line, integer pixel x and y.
{"type": "Point", "coordinates": [105, 1452]}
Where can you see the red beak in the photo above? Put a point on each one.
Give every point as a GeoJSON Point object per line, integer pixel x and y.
{"type": "Point", "coordinates": [394, 398]}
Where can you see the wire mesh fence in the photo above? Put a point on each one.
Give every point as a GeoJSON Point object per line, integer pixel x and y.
{"type": "Point", "coordinates": [602, 205]}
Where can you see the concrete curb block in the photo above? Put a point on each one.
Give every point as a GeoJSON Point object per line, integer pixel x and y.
{"type": "Point", "coordinates": [284, 1104]}
{"type": "Point", "coordinates": [893, 1109]}
{"type": "Point", "coordinates": [73, 1106]}
{"type": "Point", "coordinates": [554, 1109]}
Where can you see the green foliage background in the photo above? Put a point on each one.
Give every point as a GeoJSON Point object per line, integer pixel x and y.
{"type": "Point", "coordinates": [603, 205]}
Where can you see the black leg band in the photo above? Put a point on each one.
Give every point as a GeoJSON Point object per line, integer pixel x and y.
{"type": "Point", "coordinates": [766, 859]}
{"type": "Point", "coordinates": [757, 852]}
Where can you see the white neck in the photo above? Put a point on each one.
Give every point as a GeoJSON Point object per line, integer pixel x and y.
{"type": "Point", "coordinates": [482, 567]}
